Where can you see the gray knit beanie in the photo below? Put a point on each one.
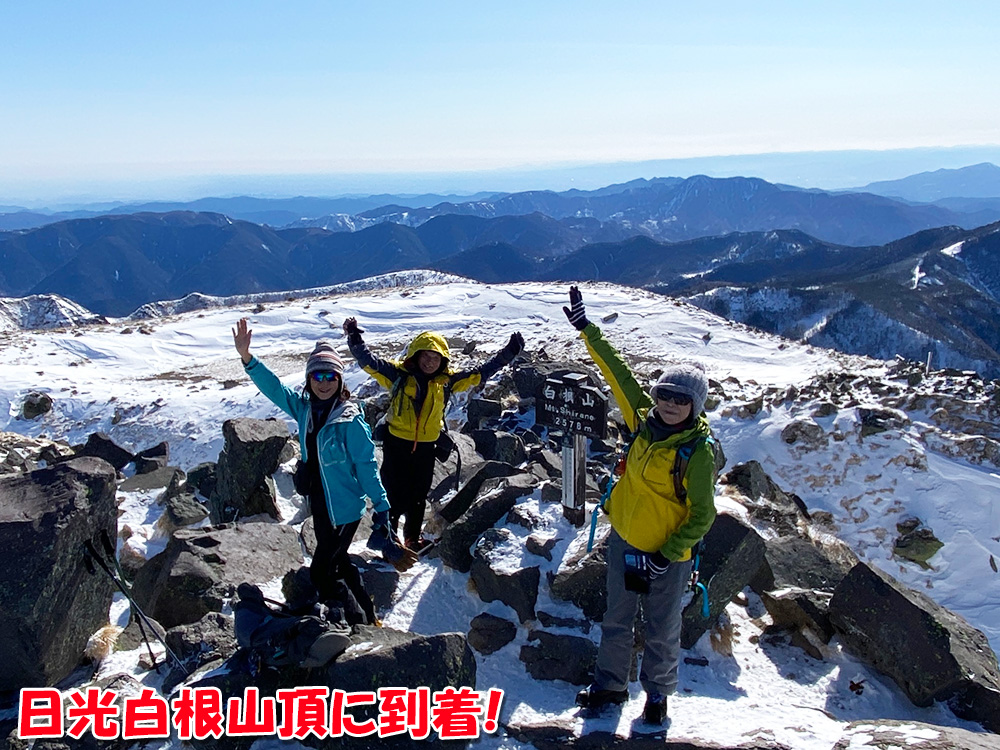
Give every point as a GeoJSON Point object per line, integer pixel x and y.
{"type": "Point", "coordinates": [688, 378]}
{"type": "Point", "coordinates": [324, 358]}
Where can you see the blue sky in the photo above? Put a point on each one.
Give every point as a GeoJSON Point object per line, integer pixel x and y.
{"type": "Point", "coordinates": [134, 93]}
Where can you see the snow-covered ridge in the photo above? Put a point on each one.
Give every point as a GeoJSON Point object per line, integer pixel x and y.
{"type": "Point", "coordinates": [47, 311]}
{"type": "Point", "coordinates": [43, 312]}
{"type": "Point", "coordinates": [196, 301]}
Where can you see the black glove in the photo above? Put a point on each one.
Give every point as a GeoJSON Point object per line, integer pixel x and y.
{"type": "Point", "coordinates": [658, 564]}
{"type": "Point", "coordinates": [641, 568]}
{"type": "Point", "coordinates": [513, 348]}
{"type": "Point", "coordinates": [575, 312]}
{"type": "Point", "coordinates": [352, 329]}
{"type": "Point", "coordinates": [380, 520]}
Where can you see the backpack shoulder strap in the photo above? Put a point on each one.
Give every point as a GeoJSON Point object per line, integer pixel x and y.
{"type": "Point", "coordinates": [683, 458]}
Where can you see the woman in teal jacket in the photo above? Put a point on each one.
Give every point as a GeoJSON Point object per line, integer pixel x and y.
{"type": "Point", "coordinates": [337, 474]}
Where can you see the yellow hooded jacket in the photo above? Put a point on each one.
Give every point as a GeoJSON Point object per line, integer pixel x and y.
{"type": "Point", "coordinates": [417, 408]}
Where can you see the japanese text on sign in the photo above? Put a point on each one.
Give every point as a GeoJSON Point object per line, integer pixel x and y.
{"type": "Point", "coordinates": [571, 406]}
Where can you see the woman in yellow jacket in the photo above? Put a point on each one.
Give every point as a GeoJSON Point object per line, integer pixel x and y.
{"type": "Point", "coordinates": [652, 529]}
{"type": "Point", "coordinates": [421, 385]}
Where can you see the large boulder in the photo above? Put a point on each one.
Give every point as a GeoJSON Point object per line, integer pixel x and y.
{"type": "Point", "coordinates": [210, 638]}
{"type": "Point", "coordinates": [36, 404]}
{"type": "Point", "coordinates": [448, 475]}
{"type": "Point", "coordinates": [168, 478]}
{"type": "Point", "coordinates": [559, 657]}
{"type": "Point", "coordinates": [494, 501]}
{"type": "Point", "coordinates": [489, 633]}
{"type": "Point", "coordinates": [478, 410]}
{"type": "Point", "coordinates": [498, 574]}
{"type": "Point", "coordinates": [766, 501]}
{"type": "Point", "coordinates": [250, 455]}
{"type": "Point", "coordinates": [379, 657]}
{"type": "Point", "coordinates": [886, 734]}
{"type": "Point", "coordinates": [732, 554]}
{"type": "Point", "coordinates": [582, 579]}
{"type": "Point", "coordinates": [471, 487]}
{"type": "Point", "coordinates": [153, 458]}
{"type": "Point", "coordinates": [931, 653]}
{"type": "Point", "coordinates": [201, 568]}
{"type": "Point", "coordinates": [874, 420]}
{"type": "Point", "coordinates": [49, 603]}
{"type": "Point", "coordinates": [798, 578]}
{"type": "Point", "coordinates": [201, 479]}
{"type": "Point", "coordinates": [797, 561]}
{"type": "Point", "coordinates": [100, 445]}
{"type": "Point", "coordinates": [184, 510]}
{"type": "Point", "coordinates": [804, 433]}
{"type": "Point", "coordinates": [496, 445]}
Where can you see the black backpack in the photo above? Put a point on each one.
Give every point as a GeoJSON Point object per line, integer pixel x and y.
{"type": "Point", "coordinates": [276, 638]}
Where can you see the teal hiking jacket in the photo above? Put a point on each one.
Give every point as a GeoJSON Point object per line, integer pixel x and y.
{"type": "Point", "coordinates": [347, 464]}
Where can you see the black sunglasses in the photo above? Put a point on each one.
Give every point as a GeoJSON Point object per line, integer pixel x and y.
{"type": "Point", "coordinates": [325, 377]}
{"type": "Point", "coordinates": [663, 393]}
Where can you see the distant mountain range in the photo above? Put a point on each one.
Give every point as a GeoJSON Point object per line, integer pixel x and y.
{"type": "Point", "coordinates": [937, 290]}
{"type": "Point", "coordinates": [977, 181]}
{"type": "Point", "coordinates": [671, 208]}
{"type": "Point", "coordinates": [276, 212]}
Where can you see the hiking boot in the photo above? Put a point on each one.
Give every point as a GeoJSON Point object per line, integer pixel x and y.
{"type": "Point", "coordinates": [595, 697]}
{"type": "Point", "coordinates": [655, 711]}
{"type": "Point", "coordinates": [419, 546]}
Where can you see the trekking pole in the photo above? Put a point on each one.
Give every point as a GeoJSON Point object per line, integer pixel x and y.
{"type": "Point", "coordinates": [112, 553]}
{"type": "Point", "coordinates": [90, 556]}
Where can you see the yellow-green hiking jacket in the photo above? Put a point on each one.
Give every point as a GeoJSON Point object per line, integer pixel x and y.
{"type": "Point", "coordinates": [643, 507]}
{"type": "Point", "coordinates": [416, 411]}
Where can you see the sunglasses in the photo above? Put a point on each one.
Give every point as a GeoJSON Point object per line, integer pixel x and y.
{"type": "Point", "coordinates": [666, 394]}
{"type": "Point", "coordinates": [325, 377]}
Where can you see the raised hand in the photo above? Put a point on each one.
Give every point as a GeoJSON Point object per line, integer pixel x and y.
{"type": "Point", "coordinates": [576, 313]}
{"type": "Point", "coordinates": [241, 338]}
{"type": "Point", "coordinates": [514, 347]}
{"type": "Point", "coordinates": [351, 327]}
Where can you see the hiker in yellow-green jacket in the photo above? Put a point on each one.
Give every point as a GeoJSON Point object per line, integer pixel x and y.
{"type": "Point", "coordinates": [421, 385]}
{"type": "Point", "coordinates": [652, 529]}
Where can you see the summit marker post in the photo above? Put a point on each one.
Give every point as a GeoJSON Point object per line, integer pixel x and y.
{"type": "Point", "coordinates": [579, 410]}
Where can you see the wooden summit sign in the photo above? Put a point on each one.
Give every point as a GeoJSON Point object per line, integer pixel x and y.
{"type": "Point", "coordinates": [570, 405]}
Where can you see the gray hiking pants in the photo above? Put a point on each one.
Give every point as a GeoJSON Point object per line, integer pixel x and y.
{"type": "Point", "coordinates": [662, 608]}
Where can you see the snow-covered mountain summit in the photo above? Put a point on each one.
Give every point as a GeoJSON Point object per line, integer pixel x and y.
{"type": "Point", "coordinates": [798, 410]}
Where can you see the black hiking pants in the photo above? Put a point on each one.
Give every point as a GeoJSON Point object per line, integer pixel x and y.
{"type": "Point", "coordinates": [407, 475]}
{"type": "Point", "coordinates": [335, 577]}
